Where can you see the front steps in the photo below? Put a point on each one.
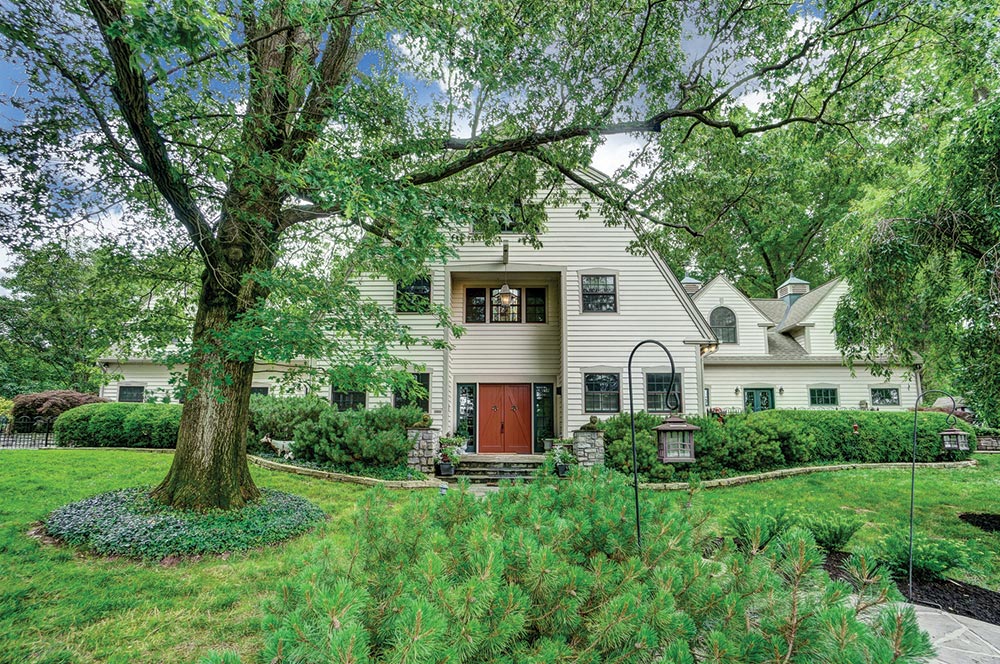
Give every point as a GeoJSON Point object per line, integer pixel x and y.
{"type": "Point", "coordinates": [489, 469]}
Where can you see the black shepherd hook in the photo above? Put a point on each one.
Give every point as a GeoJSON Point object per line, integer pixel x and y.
{"type": "Point", "coordinates": [631, 407]}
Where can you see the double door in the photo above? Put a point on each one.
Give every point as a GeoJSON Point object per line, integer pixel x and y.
{"type": "Point", "coordinates": [755, 400]}
{"type": "Point", "coordinates": [505, 418]}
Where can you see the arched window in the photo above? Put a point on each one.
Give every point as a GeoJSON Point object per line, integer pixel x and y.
{"type": "Point", "coordinates": [723, 322]}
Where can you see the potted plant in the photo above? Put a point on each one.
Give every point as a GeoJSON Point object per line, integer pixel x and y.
{"type": "Point", "coordinates": [450, 456]}
{"type": "Point", "coordinates": [562, 457]}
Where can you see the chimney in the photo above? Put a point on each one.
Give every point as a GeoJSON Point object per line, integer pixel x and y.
{"type": "Point", "coordinates": [690, 284]}
{"type": "Point", "coordinates": [792, 289]}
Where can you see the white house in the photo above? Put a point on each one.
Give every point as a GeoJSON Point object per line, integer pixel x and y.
{"type": "Point", "coordinates": [548, 333]}
{"type": "Point", "coordinates": [781, 352]}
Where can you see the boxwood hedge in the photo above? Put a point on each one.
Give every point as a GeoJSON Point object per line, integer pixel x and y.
{"type": "Point", "coordinates": [119, 425]}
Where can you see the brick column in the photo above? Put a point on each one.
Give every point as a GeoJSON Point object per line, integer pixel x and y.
{"type": "Point", "coordinates": [588, 447]}
{"type": "Point", "coordinates": [426, 445]}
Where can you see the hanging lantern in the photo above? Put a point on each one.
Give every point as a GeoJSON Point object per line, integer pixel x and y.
{"type": "Point", "coordinates": [504, 295]}
{"type": "Point", "coordinates": [675, 440]}
{"type": "Point", "coordinates": [954, 439]}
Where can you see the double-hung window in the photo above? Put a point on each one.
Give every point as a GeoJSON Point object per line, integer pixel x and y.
{"type": "Point", "coordinates": [658, 398]}
{"type": "Point", "coordinates": [400, 399]}
{"type": "Point", "coordinates": [599, 293]}
{"type": "Point", "coordinates": [601, 392]}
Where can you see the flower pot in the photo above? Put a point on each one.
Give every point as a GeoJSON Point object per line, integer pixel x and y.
{"type": "Point", "coordinates": [445, 469]}
{"type": "Point", "coordinates": [562, 469]}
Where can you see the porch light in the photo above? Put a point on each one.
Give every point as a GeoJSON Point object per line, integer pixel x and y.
{"type": "Point", "coordinates": [675, 440]}
{"type": "Point", "coordinates": [504, 295]}
{"type": "Point", "coordinates": [954, 439]}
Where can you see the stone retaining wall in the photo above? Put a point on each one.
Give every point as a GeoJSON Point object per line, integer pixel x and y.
{"type": "Point", "coordinates": [426, 445]}
{"type": "Point", "coordinates": [341, 477]}
{"type": "Point", "coordinates": [789, 472]}
{"type": "Point", "coordinates": [588, 447]}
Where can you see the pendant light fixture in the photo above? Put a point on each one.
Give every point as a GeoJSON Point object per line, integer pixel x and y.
{"type": "Point", "coordinates": [505, 289]}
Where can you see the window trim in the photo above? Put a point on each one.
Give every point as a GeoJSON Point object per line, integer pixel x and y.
{"type": "Point", "coordinates": [871, 397]}
{"type": "Point", "coordinates": [735, 326]}
{"type": "Point", "coordinates": [678, 385]}
{"type": "Point", "coordinates": [600, 273]}
{"type": "Point", "coordinates": [836, 396]}
{"type": "Point", "coordinates": [141, 386]}
{"type": "Point", "coordinates": [430, 296]}
{"type": "Point", "coordinates": [600, 372]}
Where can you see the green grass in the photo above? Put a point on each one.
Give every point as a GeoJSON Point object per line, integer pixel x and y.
{"type": "Point", "coordinates": [58, 606]}
{"type": "Point", "coordinates": [882, 499]}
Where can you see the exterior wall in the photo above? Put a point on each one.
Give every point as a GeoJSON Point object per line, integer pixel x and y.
{"type": "Point", "coordinates": [155, 380]}
{"type": "Point", "coordinates": [751, 339]}
{"type": "Point", "coordinates": [822, 340]}
{"type": "Point", "coordinates": [797, 379]}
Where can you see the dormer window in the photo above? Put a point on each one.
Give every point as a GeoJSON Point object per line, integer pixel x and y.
{"type": "Point", "coordinates": [723, 322]}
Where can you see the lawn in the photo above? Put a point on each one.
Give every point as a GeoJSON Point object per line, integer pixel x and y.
{"type": "Point", "coordinates": [56, 606]}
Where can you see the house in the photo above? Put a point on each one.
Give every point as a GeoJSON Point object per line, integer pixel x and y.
{"type": "Point", "coordinates": [549, 331]}
{"type": "Point", "coordinates": [781, 352]}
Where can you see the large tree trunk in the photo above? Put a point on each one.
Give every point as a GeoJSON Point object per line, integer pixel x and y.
{"type": "Point", "coordinates": [210, 465]}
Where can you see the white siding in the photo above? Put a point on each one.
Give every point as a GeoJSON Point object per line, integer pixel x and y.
{"type": "Point", "coordinates": [822, 340]}
{"type": "Point", "coordinates": [751, 339]}
{"type": "Point", "coordinates": [797, 379]}
{"type": "Point", "coordinates": [155, 380]}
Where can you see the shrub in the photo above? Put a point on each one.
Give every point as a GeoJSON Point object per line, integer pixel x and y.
{"type": "Point", "coordinates": [6, 407]}
{"type": "Point", "coordinates": [832, 531]}
{"type": "Point", "coordinates": [50, 404]}
{"type": "Point", "coordinates": [119, 425]}
{"type": "Point", "coordinates": [753, 530]}
{"type": "Point", "coordinates": [277, 417]}
{"type": "Point", "coordinates": [129, 523]}
{"type": "Point", "coordinates": [932, 558]}
{"type": "Point", "coordinates": [550, 571]}
{"type": "Point", "coordinates": [357, 438]}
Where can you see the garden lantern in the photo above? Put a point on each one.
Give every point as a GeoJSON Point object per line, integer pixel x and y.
{"type": "Point", "coordinates": [675, 440]}
{"type": "Point", "coordinates": [955, 439]}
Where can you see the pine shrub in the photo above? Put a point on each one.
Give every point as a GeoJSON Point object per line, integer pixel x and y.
{"type": "Point", "coordinates": [356, 439]}
{"type": "Point", "coordinates": [550, 572]}
{"type": "Point", "coordinates": [119, 425]}
{"type": "Point", "coordinates": [277, 417]}
{"type": "Point", "coordinates": [932, 557]}
{"type": "Point", "coordinates": [832, 531]}
{"type": "Point", "coordinates": [753, 530]}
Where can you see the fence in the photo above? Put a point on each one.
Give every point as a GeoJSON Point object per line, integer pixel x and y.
{"type": "Point", "coordinates": [26, 432]}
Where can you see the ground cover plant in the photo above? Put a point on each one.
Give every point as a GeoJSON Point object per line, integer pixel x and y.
{"type": "Point", "coordinates": [551, 571]}
{"type": "Point", "coordinates": [56, 606]}
{"type": "Point", "coordinates": [772, 439]}
{"type": "Point", "coordinates": [127, 522]}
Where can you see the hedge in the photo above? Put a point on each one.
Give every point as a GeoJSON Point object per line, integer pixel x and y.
{"type": "Point", "coordinates": [356, 439]}
{"type": "Point", "coordinates": [774, 439]}
{"type": "Point", "coordinates": [119, 425]}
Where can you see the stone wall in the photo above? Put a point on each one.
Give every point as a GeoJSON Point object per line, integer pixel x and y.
{"type": "Point", "coordinates": [426, 445]}
{"type": "Point", "coordinates": [588, 447]}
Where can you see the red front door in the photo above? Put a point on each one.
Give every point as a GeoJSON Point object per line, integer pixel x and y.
{"type": "Point", "coordinates": [505, 419]}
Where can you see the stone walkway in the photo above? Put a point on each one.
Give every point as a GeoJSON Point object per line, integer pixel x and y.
{"type": "Point", "coordinates": [960, 640]}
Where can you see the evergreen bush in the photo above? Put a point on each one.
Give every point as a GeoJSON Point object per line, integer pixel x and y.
{"type": "Point", "coordinates": [832, 531]}
{"type": "Point", "coordinates": [550, 572]}
{"type": "Point", "coordinates": [932, 557]}
{"type": "Point", "coordinates": [773, 439]}
{"type": "Point", "coordinates": [119, 425]}
{"type": "Point", "coordinates": [277, 417]}
{"type": "Point", "coordinates": [356, 439]}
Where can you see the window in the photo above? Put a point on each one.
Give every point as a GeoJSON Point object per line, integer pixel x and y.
{"type": "Point", "coordinates": [823, 396]}
{"type": "Point", "coordinates": [410, 399]}
{"type": "Point", "coordinates": [509, 314]}
{"type": "Point", "coordinates": [658, 400]}
{"type": "Point", "coordinates": [723, 322]}
{"type": "Point", "coordinates": [465, 426]}
{"type": "Point", "coordinates": [414, 297]}
{"type": "Point", "coordinates": [347, 400]}
{"type": "Point", "coordinates": [601, 393]}
{"type": "Point", "coordinates": [131, 393]}
{"type": "Point", "coordinates": [545, 413]}
{"type": "Point", "coordinates": [599, 293]}
{"type": "Point", "coordinates": [262, 391]}
{"type": "Point", "coordinates": [708, 397]}
{"type": "Point", "coordinates": [475, 305]}
{"type": "Point", "coordinates": [885, 396]}
{"type": "Point", "coordinates": [534, 305]}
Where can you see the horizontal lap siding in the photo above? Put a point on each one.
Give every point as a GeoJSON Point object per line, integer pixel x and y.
{"type": "Point", "coordinates": [822, 340]}
{"type": "Point", "coordinates": [751, 339]}
{"type": "Point", "coordinates": [155, 379]}
{"type": "Point", "coordinates": [797, 379]}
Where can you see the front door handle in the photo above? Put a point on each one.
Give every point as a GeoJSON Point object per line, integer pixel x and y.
{"type": "Point", "coordinates": [501, 427]}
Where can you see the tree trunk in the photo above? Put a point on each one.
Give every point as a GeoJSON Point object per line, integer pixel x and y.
{"type": "Point", "coordinates": [210, 465]}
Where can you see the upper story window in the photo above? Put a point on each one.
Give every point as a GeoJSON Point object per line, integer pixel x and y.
{"type": "Point", "coordinates": [662, 394]}
{"type": "Point", "coordinates": [885, 396]}
{"type": "Point", "coordinates": [534, 305]}
{"type": "Point", "coordinates": [599, 293]}
{"type": "Point", "coordinates": [131, 393]}
{"type": "Point", "coordinates": [511, 313]}
{"type": "Point", "coordinates": [414, 297]}
{"type": "Point", "coordinates": [601, 393]}
{"type": "Point", "coordinates": [723, 322]}
{"type": "Point", "coordinates": [475, 305]}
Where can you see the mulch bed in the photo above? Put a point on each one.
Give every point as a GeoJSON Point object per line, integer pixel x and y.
{"type": "Point", "coordinates": [958, 597]}
{"type": "Point", "coordinates": [988, 522]}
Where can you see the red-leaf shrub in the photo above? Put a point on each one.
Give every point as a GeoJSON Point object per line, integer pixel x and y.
{"type": "Point", "coordinates": [52, 403]}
